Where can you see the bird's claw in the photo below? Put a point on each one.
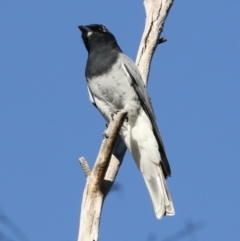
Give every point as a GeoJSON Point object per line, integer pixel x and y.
{"type": "Point", "coordinates": [114, 113]}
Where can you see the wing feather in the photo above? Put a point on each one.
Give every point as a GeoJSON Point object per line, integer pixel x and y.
{"type": "Point", "coordinates": [91, 97]}
{"type": "Point", "coordinates": [135, 80]}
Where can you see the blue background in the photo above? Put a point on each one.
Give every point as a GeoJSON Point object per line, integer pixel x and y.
{"type": "Point", "coordinates": [47, 121]}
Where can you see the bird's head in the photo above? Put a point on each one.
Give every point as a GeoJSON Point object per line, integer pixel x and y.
{"type": "Point", "coordinates": [97, 37]}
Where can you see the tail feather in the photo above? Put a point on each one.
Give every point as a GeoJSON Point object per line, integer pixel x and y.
{"type": "Point", "coordinates": [141, 142]}
{"type": "Point", "coordinates": [160, 196]}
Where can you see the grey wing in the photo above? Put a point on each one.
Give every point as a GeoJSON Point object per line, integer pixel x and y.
{"type": "Point", "coordinates": [135, 79]}
{"type": "Point", "coordinates": [91, 97]}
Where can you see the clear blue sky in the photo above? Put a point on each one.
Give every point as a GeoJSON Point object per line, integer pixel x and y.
{"type": "Point", "coordinates": [47, 121]}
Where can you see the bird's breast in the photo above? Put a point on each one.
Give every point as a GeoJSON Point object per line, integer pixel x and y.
{"type": "Point", "coordinates": [115, 90]}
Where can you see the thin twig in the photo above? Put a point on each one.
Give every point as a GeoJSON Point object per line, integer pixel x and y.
{"type": "Point", "coordinates": [84, 164]}
{"type": "Point", "coordinates": [162, 40]}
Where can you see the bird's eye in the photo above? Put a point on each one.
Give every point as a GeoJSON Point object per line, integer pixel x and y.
{"type": "Point", "coordinates": [102, 28]}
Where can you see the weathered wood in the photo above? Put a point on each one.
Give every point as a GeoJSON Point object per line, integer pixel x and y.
{"type": "Point", "coordinates": [84, 164]}
{"type": "Point", "coordinates": [96, 188]}
{"type": "Point", "coordinates": [156, 14]}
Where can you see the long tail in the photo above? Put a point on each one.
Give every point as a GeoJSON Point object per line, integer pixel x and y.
{"type": "Point", "coordinates": [141, 142]}
{"type": "Point", "coordinates": [160, 195]}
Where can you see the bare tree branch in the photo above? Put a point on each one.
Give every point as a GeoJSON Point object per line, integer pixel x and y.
{"type": "Point", "coordinates": [156, 14]}
{"type": "Point", "coordinates": [97, 187]}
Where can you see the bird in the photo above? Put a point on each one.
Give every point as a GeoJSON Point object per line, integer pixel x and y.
{"type": "Point", "coordinates": [114, 83]}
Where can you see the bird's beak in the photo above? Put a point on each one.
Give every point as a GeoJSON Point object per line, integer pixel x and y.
{"type": "Point", "coordinates": [84, 29]}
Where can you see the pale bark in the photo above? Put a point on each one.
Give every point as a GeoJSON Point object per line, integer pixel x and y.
{"type": "Point", "coordinates": [97, 186]}
{"type": "Point", "coordinates": [93, 197]}
{"type": "Point", "coordinates": [156, 14]}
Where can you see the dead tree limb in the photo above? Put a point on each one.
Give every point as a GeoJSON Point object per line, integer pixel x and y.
{"type": "Point", "coordinates": [156, 14]}
{"type": "Point", "coordinates": [97, 187]}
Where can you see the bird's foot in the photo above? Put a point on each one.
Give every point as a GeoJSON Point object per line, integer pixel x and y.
{"type": "Point", "coordinates": [114, 113]}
